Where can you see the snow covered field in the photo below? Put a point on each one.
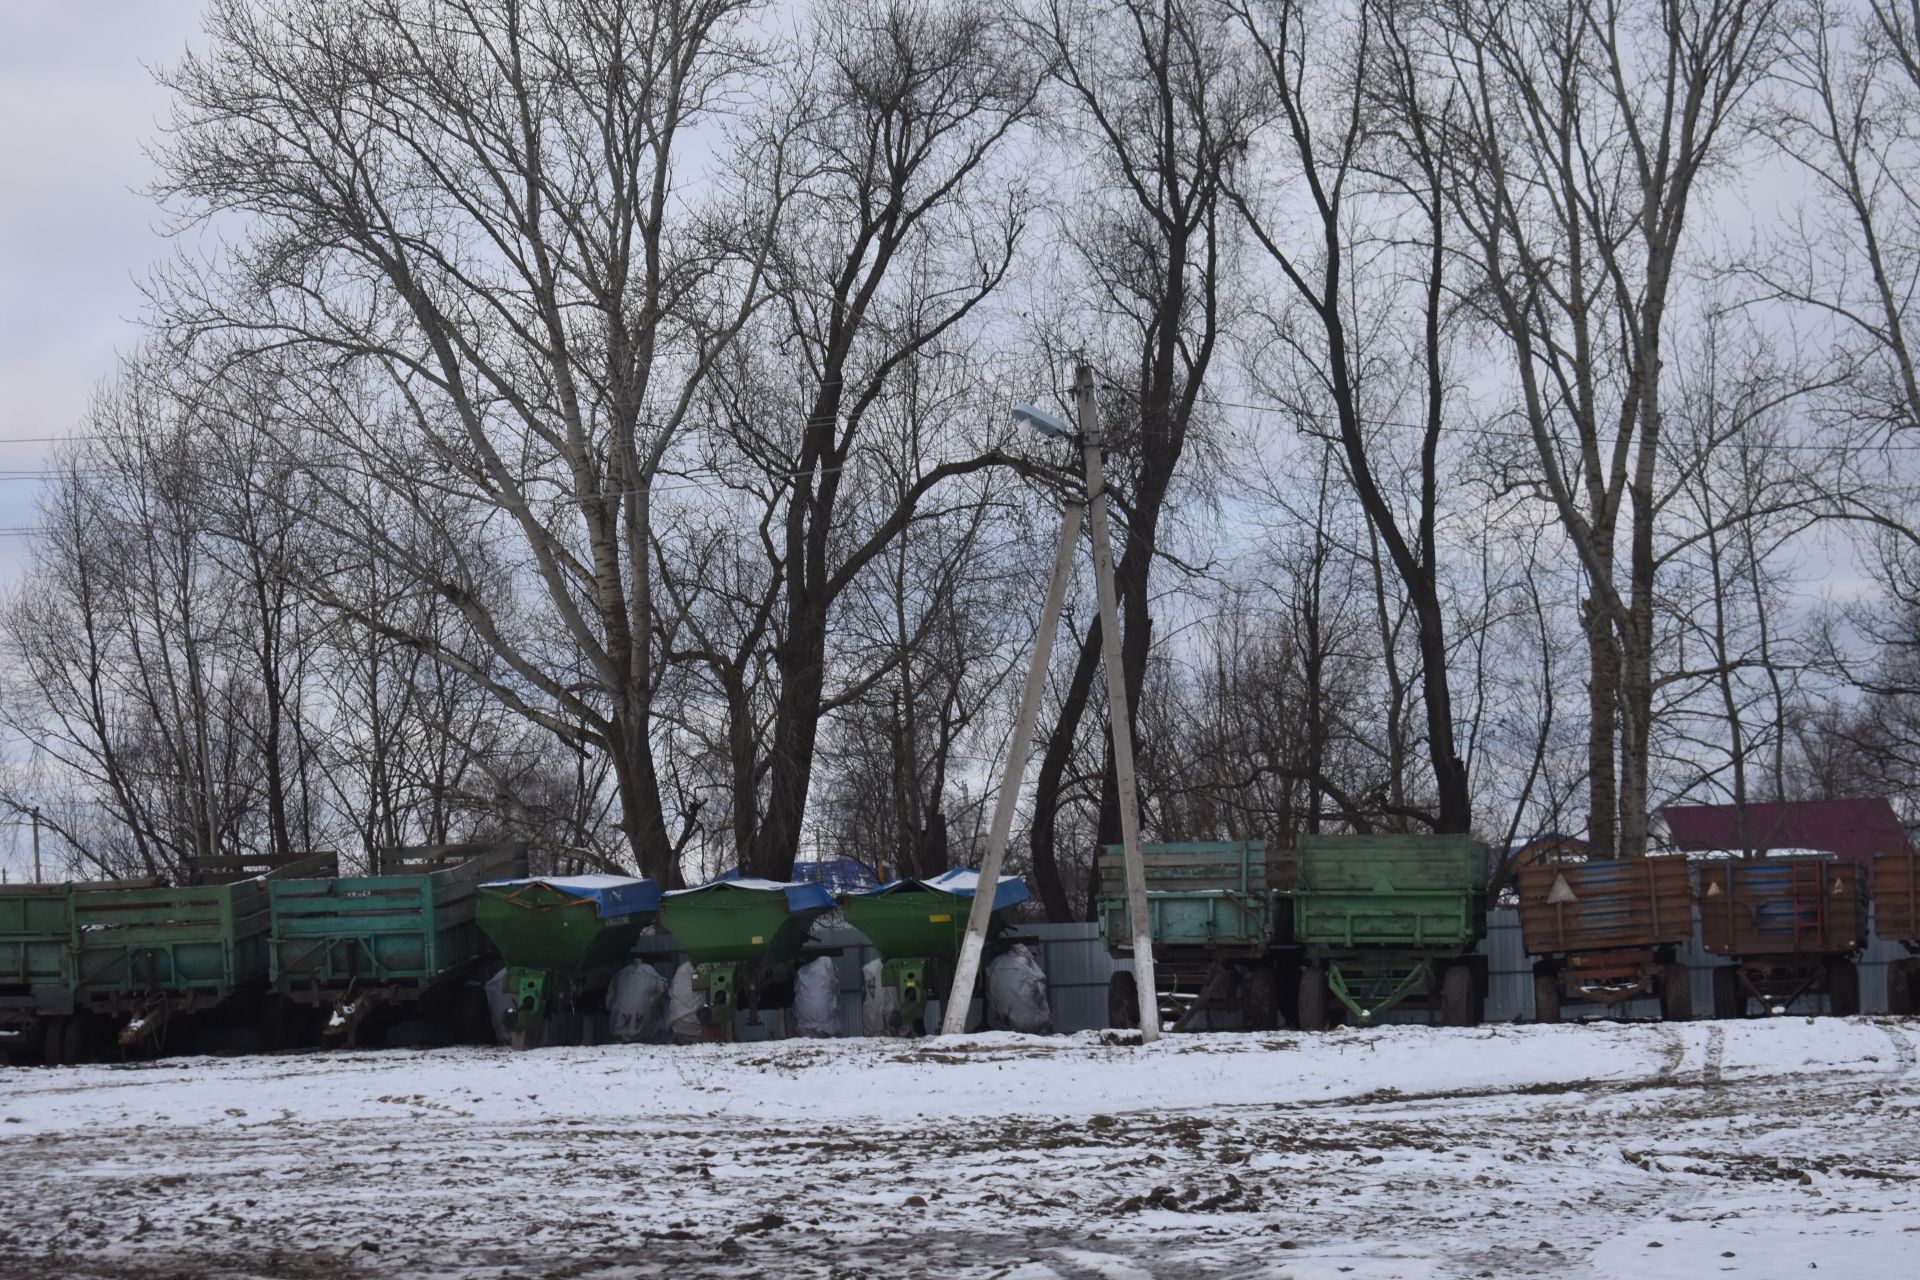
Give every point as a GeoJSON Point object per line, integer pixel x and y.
{"type": "Point", "coordinates": [1755, 1149]}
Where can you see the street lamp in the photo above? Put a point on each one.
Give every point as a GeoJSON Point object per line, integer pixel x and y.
{"type": "Point", "coordinates": [967, 965]}
{"type": "Point", "coordinates": [1042, 422]}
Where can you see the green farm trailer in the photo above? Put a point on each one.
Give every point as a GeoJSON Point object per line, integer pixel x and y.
{"type": "Point", "coordinates": [37, 951]}
{"type": "Point", "coordinates": [563, 938]}
{"type": "Point", "coordinates": [148, 957]}
{"type": "Point", "coordinates": [403, 941]}
{"type": "Point", "coordinates": [743, 937]}
{"type": "Point", "coordinates": [160, 960]}
{"type": "Point", "coordinates": [1221, 932]}
{"type": "Point", "coordinates": [1388, 919]}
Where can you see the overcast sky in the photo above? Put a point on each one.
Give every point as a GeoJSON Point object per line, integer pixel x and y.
{"type": "Point", "coordinates": [76, 234]}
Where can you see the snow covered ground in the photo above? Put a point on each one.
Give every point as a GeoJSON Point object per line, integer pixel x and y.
{"type": "Point", "coordinates": [1754, 1149]}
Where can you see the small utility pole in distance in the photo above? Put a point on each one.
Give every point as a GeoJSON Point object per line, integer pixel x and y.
{"type": "Point", "coordinates": [1094, 447]}
{"type": "Point", "coordinates": [36, 846]}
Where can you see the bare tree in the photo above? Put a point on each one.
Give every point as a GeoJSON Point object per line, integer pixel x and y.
{"type": "Point", "coordinates": [482, 212]}
{"type": "Point", "coordinates": [897, 238]}
{"type": "Point", "coordinates": [1579, 140]}
{"type": "Point", "coordinates": [1155, 92]}
{"type": "Point", "coordinates": [1354, 123]}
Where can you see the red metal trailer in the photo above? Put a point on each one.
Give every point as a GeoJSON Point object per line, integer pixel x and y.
{"type": "Point", "coordinates": [1605, 932]}
{"type": "Point", "coordinates": [1896, 905]}
{"type": "Point", "coordinates": [1791, 926]}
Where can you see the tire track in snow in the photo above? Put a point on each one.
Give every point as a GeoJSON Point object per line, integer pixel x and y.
{"type": "Point", "coordinates": [1711, 1071]}
{"type": "Point", "coordinates": [1904, 1053]}
{"type": "Point", "coordinates": [1673, 1053]}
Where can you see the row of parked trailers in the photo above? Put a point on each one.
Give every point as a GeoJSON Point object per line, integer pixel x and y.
{"type": "Point", "coordinates": [286, 953]}
{"type": "Point", "coordinates": [248, 954]}
{"type": "Point", "coordinates": [1351, 928]}
{"type": "Point", "coordinates": [1343, 928]}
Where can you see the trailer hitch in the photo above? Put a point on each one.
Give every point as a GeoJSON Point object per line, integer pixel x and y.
{"type": "Point", "coordinates": [149, 1021]}
{"type": "Point", "coordinates": [350, 1009]}
{"type": "Point", "coordinates": [1420, 975]}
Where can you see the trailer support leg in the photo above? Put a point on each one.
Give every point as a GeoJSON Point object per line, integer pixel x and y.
{"type": "Point", "coordinates": [718, 981]}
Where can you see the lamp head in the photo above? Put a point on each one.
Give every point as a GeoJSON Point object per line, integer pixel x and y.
{"type": "Point", "coordinates": [1041, 421]}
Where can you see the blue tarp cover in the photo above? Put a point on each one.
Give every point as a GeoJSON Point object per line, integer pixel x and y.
{"type": "Point", "coordinates": [800, 897]}
{"type": "Point", "coordinates": [963, 883]}
{"type": "Point", "coordinates": [611, 896]}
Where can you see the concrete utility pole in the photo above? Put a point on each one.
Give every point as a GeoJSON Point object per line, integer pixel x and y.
{"type": "Point", "coordinates": [1094, 448]}
{"type": "Point", "coordinates": [36, 846]}
{"type": "Point", "coordinates": [966, 967]}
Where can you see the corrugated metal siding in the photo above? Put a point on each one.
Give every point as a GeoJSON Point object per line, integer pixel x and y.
{"type": "Point", "coordinates": [1077, 967]}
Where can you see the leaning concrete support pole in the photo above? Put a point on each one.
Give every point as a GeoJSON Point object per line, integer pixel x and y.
{"type": "Point", "coordinates": [966, 968]}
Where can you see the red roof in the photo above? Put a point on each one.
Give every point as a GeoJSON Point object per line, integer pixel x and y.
{"type": "Point", "coordinates": [1854, 830]}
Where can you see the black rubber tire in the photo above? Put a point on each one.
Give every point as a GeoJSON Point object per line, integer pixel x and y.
{"type": "Point", "coordinates": [281, 1023]}
{"type": "Point", "coordinates": [472, 1015]}
{"type": "Point", "coordinates": [1546, 998]}
{"type": "Point", "coordinates": [1729, 997]}
{"type": "Point", "coordinates": [1456, 995]}
{"type": "Point", "coordinates": [1123, 1002]}
{"type": "Point", "coordinates": [75, 1043]}
{"type": "Point", "coordinates": [1313, 999]}
{"type": "Point", "coordinates": [1262, 999]}
{"type": "Point", "coordinates": [1843, 987]}
{"type": "Point", "coordinates": [1903, 976]}
{"type": "Point", "coordinates": [1676, 993]}
{"type": "Point", "coordinates": [53, 1040]}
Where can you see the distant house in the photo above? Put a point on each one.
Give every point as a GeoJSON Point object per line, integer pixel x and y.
{"type": "Point", "coordinates": [1851, 830]}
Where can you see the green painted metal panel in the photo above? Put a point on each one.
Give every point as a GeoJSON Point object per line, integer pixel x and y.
{"type": "Point", "coordinates": [1418, 892]}
{"type": "Point", "coordinates": [539, 927]}
{"type": "Point", "coordinates": [409, 929]}
{"type": "Point", "coordinates": [915, 924]}
{"type": "Point", "coordinates": [209, 939]}
{"type": "Point", "coordinates": [36, 935]}
{"type": "Point", "coordinates": [723, 922]}
{"type": "Point", "coordinates": [1200, 893]}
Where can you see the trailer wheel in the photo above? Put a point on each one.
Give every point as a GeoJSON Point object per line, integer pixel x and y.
{"type": "Point", "coordinates": [1313, 998]}
{"type": "Point", "coordinates": [1262, 1001]}
{"type": "Point", "coordinates": [1843, 987]}
{"type": "Point", "coordinates": [472, 1015]}
{"type": "Point", "coordinates": [1546, 998]}
{"type": "Point", "coordinates": [1676, 993]}
{"type": "Point", "coordinates": [1456, 995]}
{"type": "Point", "coordinates": [1123, 1002]}
{"type": "Point", "coordinates": [53, 1039]}
{"type": "Point", "coordinates": [1729, 999]}
{"type": "Point", "coordinates": [1902, 977]}
{"type": "Point", "coordinates": [73, 1040]}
